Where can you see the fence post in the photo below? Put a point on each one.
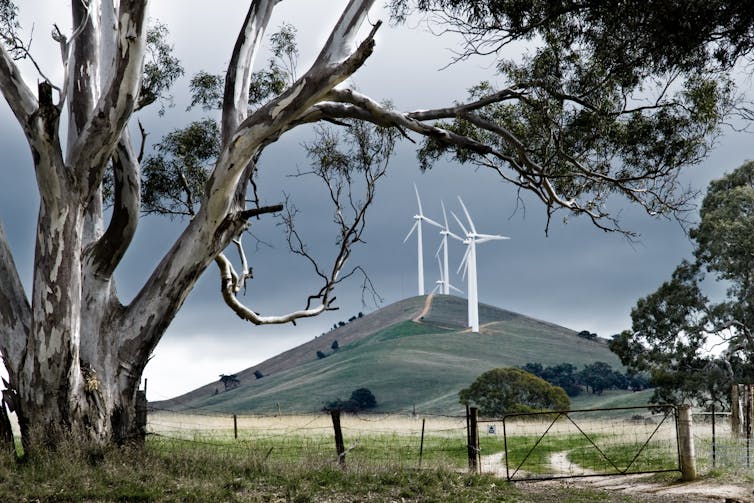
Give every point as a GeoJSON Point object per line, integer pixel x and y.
{"type": "Point", "coordinates": [686, 444]}
{"type": "Point", "coordinates": [235, 426]}
{"type": "Point", "coordinates": [339, 446]}
{"type": "Point", "coordinates": [735, 411]}
{"type": "Point", "coordinates": [421, 445]}
{"type": "Point", "coordinates": [141, 415]}
{"type": "Point", "coordinates": [714, 439]}
{"type": "Point", "coordinates": [473, 436]}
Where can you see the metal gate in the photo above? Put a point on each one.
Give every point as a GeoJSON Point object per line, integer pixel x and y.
{"type": "Point", "coordinates": [587, 443]}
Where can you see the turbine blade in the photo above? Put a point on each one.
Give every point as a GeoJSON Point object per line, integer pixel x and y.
{"type": "Point", "coordinates": [434, 290]}
{"type": "Point", "coordinates": [419, 201]}
{"type": "Point", "coordinates": [439, 264]}
{"type": "Point", "coordinates": [465, 232]}
{"type": "Point", "coordinates": [489, 237]}
{"type": "Point", "coordinates": [455, 236]}
{"type": "Point", "coordinates": [468, 217]}
{"type": "Point", "coordinates": [413, 228]}
{"type": "Point", "coordinates": [430, 221]}
{"type": "Point", "coordinates": [454, 288]}
{"type": "Point", "coordinates": [464, 261]}
{"type": "Point", "coordinates": [445, 216]}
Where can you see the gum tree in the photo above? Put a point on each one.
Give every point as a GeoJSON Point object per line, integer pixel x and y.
{"type": "Point", "coordinates": [566, 126]}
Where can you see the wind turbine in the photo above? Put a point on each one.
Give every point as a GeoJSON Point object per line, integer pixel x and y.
{"type": "Point", "coordinates": [444, 281]}
{"type": "Point", "coordinates": [442, 284]}
{"type": "Point", "coordinates": [418, 228]}
{"type": "Point", "coordinates": [469, 260]}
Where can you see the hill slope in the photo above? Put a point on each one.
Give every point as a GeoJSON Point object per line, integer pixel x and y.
{"type": "Point", "coordinates": [414, 353]}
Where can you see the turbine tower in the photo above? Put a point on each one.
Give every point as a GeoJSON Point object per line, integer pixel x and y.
{"type": "Point", "coordinates": [444, 276]}
{"type": "Point", "coordinates": [418, 228]}
{"type": "Point", "coordinates": [473, 238]}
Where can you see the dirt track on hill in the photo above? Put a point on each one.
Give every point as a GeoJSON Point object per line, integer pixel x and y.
{"type": "Point", "coordinates": [427, 307]}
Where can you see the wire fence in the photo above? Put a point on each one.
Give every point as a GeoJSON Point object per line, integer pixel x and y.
{"type": "Point", "coordinates": [401, 439]}
{"type": "Point", "coordinates": [719, 447]}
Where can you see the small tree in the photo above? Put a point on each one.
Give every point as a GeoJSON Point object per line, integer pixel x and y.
{"type": "Point", "coordinates": [361, 399]}
{"type": "Point", "coordinates": [258, 374]}
{"type": "Point", "coordinates": [321, 354]}
{"type": "Point", "coordinates": [230, 381]}
{"type": "Point", "coordinates": [335, 346]}
{"type": "Point", "coordinates": [510, 390]}
{"type": "Point", "coordinates": [364, 398]}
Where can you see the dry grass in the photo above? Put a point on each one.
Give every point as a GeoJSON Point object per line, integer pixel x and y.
{"type": "Point", "coordinates": [311, 425]}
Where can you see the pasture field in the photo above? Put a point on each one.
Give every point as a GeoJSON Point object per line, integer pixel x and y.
{"type": "Point", "coordinates": [192, 458]}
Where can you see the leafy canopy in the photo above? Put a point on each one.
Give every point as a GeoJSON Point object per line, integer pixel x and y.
{"type": "Point", "coordinates": [510, 390]}
{"type": "Point", "coordinates": [675, 328]}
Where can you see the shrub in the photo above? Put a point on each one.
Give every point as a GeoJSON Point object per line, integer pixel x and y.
{"type": "Point", "coordinates": [510, 390]}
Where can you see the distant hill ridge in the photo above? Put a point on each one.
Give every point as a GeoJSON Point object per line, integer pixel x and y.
{"type": "Point", "coordinates": [405, 356]}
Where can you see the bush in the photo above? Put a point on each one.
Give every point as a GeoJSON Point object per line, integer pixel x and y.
{"type": "Point", "coordinates": [361, 399]}
{"type": "Point", "coordinates": [510, 390]}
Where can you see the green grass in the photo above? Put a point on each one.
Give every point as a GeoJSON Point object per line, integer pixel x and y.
{"type": "Point", "coordinates": [169, 470]}
{"type": "Point", "coordinates": [629, 457]}
{"type": "Point", "coordinates": [526, 455]}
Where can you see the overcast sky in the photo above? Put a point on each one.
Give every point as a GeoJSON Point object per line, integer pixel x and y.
{"type": "Point", "coordinates": [578, 277]}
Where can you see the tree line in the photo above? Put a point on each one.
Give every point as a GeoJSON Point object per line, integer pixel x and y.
{"type": "Point", "coordinates": [594, 377]}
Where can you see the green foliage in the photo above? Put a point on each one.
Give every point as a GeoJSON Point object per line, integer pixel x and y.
{"type": "Point", "coordinates": [9, 27]}
{"type": "Point", "coordinates": [509, 390]}
{"type": "Point", "coordinates": [174, 177]}
{"type": "Point", "coordinates": [364, 398]}
{"type": "Point", "coordinates": [598, 376]}
{"type": "Point", "coordinates": [206, 90]}
{"type": "Point", "coordinates": [595, 124]}
{"type": "Point", "coordinates": [361, 399]}
{"type": "Point", "coordinates": [673, 327]}
{"type": "Point", "coordinates": [161, 69]}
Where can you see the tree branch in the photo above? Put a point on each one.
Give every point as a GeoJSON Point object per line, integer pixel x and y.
{"type": "Point", "coordinates": [108, 251]}
{"type": "Point", "coordinates": [103, 128]}
{"type": "Point", "coordinates": [20, 98]}
{"type": "Point", "coordinates": [15, 310]}
{"type": "Point", "coordinates": [238, 75]}
{"type": "Point", "coordinates": [228, 280]}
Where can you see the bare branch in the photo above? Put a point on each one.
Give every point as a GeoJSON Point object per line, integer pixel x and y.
{"type": "Point", "coordinates": [227, 287]}
{"type": "Point", "coordinates": [238, 76]}
{"type": "Point", "coordinates": [18, 95]}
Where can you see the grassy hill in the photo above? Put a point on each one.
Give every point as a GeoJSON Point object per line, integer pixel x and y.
{"type": "Point", "coordinates": [407, 360]}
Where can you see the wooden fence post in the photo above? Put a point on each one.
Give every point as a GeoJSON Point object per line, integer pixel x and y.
{"type": "Point", "coordinates": [339, 446]}
{"type": "Point", "coordinates": [141, 415]}
{"type": "Point", "coordinates": [473, 437]}
{"type": "Point", "coordinates": [235, 426]}
{"type": "Point", "coordinates": [686, 444]}
{"type": "Point", "coordinates": [421, 445]}
{"type": "Point", "coordinates": [735, 411]}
